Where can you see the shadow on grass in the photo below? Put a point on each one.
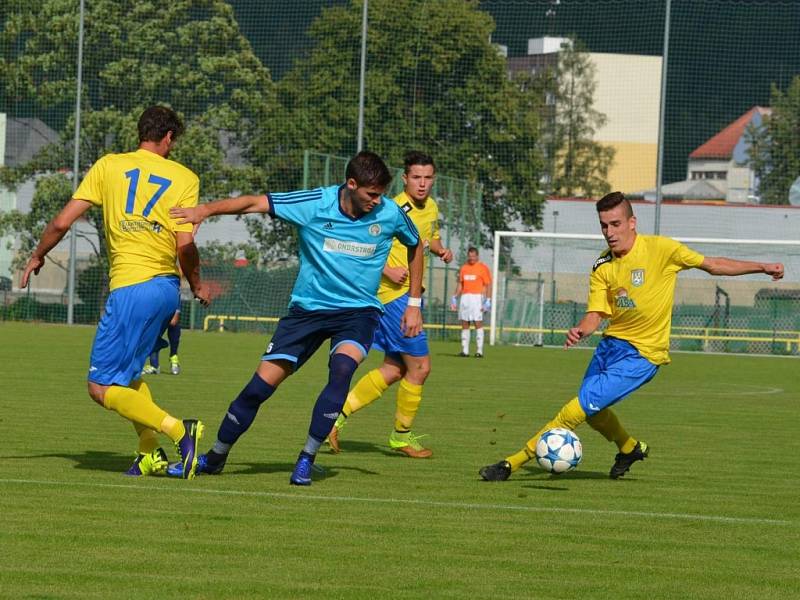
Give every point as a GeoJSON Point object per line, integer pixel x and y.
{"type": "Point", "coordinates": [355, 447]}
{"type": "Point", "coordinates": [90, 460]}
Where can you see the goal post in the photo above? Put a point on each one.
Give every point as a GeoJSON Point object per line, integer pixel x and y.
{"type": "Point", "coordinates": [540, 286]}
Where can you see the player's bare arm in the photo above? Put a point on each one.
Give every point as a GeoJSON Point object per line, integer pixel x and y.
{"type": "Point", "coordinates": [189, 260]}
{"type": "Point", "coordinates": [437, 249]}
{"type": "Point", "coordinates": [719, 265]}
{"type": "Point", "coordinates": [411, 323]}
{"type": "Point", "coordinates": [585, 327]}
{"type": "Point", "coordinates": [52, 234]}
{"type": "Point", "coordinates": [397, 275]}
{"type": "Point", "coordinates": [230, 206]}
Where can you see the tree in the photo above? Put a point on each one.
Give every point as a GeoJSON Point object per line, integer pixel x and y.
{"type": "Point", "coordinates": [579, 165]}
{"type": "Point", "coordinates": [435, 82]}
{"type": "Point", "coordinates": [775, 146]}
{"type": "Point", "coordinates": [188, 54]}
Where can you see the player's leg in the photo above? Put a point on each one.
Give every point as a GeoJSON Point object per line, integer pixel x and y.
{"type": "Point", "coordinates": [409, 397]}
{"type": "Point", "coordinates": [616, 370]}
{"type": "Point", "coordinates": [465, 335]}
{"type": "Point", "coordinates": [351, 333]}
{"type": "Point", "coordinates": [174, 337]}
{"type": "Point", "coordinates": [479, 338]}
{"type": "Point", "coordinates": [135, 316]}
{"type": "Point", "coordinates": [368, 389]}
{"type": "Point", "coordinates": [294, 340]}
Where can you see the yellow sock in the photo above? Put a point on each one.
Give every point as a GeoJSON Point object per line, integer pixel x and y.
{"type": "Point", "coordinates": [607, 423]}
{"type": "Point", "coordinates": [147, 439]}
{"type": "Point", "coordinates": [569, 417]}
{"type": "Point", "coordinates": [138, 407]}
{"type": "Point", "coordinates": [409, 395]}
{"type": "Point", "coordinates": [368, 389]}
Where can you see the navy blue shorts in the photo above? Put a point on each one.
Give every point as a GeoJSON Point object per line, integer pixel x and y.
{"type": "Point", "coordinates": [302, 332]}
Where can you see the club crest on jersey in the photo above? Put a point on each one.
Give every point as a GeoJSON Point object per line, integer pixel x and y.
{"type": "Point", "coordinates": [622, 299]}
{"type": "Point", "coordinates": [375, 229]}
{"type": "Point", "coordinates": [637, 277]}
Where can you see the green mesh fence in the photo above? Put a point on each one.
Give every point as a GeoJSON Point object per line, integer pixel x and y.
{"type": "Point", "coordinates": [523, 104]}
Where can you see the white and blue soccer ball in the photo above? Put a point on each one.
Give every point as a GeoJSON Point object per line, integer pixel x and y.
{"type": "Point", "coordinates": [558, 451]}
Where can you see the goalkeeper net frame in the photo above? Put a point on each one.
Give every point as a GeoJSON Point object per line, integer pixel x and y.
{"type": "Point", "coordinates": [540, 283]}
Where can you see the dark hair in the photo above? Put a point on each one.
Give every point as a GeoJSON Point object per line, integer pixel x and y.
{"type": "Point", "coordinates": [415, 157]}
{"type": "Point", "coordinates": [472, 249]}
{"type": "Point", "coordinates": [156, 121]}
{"type": "Point", "coordinates": [367, 168]}
{"type": "Point", "coordinates": [613, 200]}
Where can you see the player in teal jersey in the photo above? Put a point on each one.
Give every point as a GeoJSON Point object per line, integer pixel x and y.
{"type": "Point", "coordinates": [345, 235]}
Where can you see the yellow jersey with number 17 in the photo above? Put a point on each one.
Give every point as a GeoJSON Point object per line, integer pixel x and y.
{"type": "Point", "coordinates": [636, 292]}
{"type": "Point", "coordinates": [426, 220]}
{"type": "Point", "coordinates": [136, 191]}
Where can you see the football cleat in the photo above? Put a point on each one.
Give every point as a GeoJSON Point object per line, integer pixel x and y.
{"type": "Point", "coordinates": [187, 447]}
{"type": "Point", "coordinates": [479, 355]}
{"type": "Point", "coordinates": [496, 472]}
{"type": "Point", "coordinates": [174, 365]}
{"type": "Point", "coordinates": [408, 444]}
{"type": "Point", "coordinates": [623, 462]}
{"type": "Point", "coordinates": [333, 436]}
{"type": "Point", "coordinates": [207, 464]}
{"type": "Point", "coordinates": [152, 463]}
{"type": "Point", "coordinates": [302, 470]}
{"type": "Point", "coordinates": [463, 354]}
{"type": "Point", "coordinates": [151, 370]}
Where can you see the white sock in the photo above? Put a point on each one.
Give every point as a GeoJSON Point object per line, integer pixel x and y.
{"type": "Point", "coordinates": [479, 339]}
{"type": "Point", "coordinates": [465, 341]}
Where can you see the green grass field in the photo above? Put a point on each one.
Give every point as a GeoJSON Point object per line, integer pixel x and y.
{"type": "Point", "coordinates": [714, 513]}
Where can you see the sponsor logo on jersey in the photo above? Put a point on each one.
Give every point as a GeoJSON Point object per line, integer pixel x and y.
{"type": "Point", "coordinates": [138, 226]}
{"type": "Point", "coordinates": [328, 225]}
{"type": "Point", "coordinates": [602, 260]}
{"type": "Point", "coordinates": [346, 247]}
{"type": "Point", "coordinates": [622, 299]}
{"type": "Point", "coordinates": [407, 208]}
{"type": "Point", "coordinates": [637, 277]}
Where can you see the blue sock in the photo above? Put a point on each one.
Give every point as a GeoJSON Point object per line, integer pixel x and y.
{"type": "Point", "coordinates": [174, 337]}
{"type": "Point", "coordinates": [243, 410]}
{"type": "Point", "coordinates": [331, 400]}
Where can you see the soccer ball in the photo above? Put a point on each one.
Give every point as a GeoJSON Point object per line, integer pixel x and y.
{"type": "Point", "coordinates": [558, 451]}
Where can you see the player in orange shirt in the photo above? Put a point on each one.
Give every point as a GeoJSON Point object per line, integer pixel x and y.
{"type": "Point", "coordinates": [474, 287]}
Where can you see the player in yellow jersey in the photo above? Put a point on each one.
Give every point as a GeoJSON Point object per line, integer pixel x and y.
{"type": "Point", "coordinates": [406, 360]}
{"type": "Point", "coordinates": [135, 191]}
{"type": "Point", "coordinates": [632, 285]}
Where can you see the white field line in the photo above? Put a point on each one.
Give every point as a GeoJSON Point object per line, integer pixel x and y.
{"type": "Point", "coordinates": [405, 501]}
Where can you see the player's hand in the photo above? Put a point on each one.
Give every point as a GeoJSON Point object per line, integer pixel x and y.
{"type": "Point", "coordinates": [446, 255]}
{"type": "Point", "coordinates": [454, 303]}
{"type": "Point", "coordinates": [397, 275]}
{"type": "Point", "coordinates": [34, 264]}
{"type": "Point", "coordinates": [574, 335]}
{"type": "Point", "coordinates": [194, 215]}
{"type": "Point", "coordinates": [487, 305]}
{"type": "Point", "coordinates": [411, 323]}
{"type": "Point", "coordinates": [774, 269]}
{"type": "Point", "coordinates": [202, 293]}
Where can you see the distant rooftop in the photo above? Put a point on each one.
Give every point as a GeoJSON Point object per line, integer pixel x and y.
{"type": "Point", "coordinates": [724, 143]}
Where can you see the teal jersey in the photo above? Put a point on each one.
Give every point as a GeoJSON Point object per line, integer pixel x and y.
{"type": "Point", "coordinates": [341, 258]}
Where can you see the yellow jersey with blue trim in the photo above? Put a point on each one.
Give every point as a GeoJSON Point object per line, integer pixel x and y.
{"type": "Point", "coordinates": [636, 292]}
{"type": "Point", "coordinates": [426, 219]}
{"type": "Point", "coordinates": [135, 191]}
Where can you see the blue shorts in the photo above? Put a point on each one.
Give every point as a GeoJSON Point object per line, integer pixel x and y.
{"type": "Point", "coordinates": [389, 338]}
{"type": "Point", "coordinates": [616, 370]}
{"type": "Point", "coordinates": [135, 317]}
{"type": "Point", "coordinates": [302, 332]}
